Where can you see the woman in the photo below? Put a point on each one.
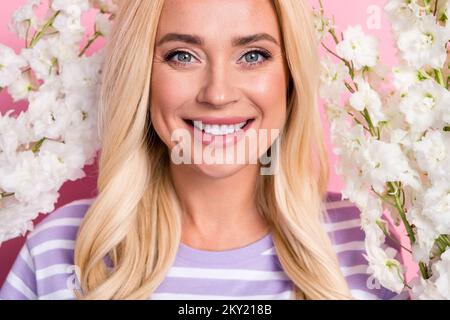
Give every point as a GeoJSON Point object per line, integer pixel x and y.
{"type": "Point", "coordinates": [164, 228]}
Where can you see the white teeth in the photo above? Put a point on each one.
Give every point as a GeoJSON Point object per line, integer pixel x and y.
{"type": "Point", "coordinates": [239, 125]}
{"type": "Point", "coordinates": [198, 125]}
{"type": "Point", "coordinates": [214, 129]}
{"type": "Point", "coordinates": [219, 130]}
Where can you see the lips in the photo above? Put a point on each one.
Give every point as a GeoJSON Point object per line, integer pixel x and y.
{"type": "Point", "coordinates": [219, 121]}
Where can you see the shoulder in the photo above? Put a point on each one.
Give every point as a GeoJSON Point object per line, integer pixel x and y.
{"type": "Point", "coordinates": [45, 262]}
{"type": "Point", "coordinates": [340, 210]}
{"type": "Point", "coordinates": [59, 227]}
{"type": "Point", "coordinates": [73, 210]}
{"type": "Point", "coordinates": [343, 224]}
{"type": "Point", "coordinates": [342, 221]}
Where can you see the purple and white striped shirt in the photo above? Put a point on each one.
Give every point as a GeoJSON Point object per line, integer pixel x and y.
{"type": "Point", "coordinates": [45, 267]}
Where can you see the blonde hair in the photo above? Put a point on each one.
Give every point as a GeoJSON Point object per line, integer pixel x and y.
{"type": "Point", "coordinates": [135, 220]}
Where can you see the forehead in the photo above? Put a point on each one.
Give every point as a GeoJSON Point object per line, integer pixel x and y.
{"type": "Point", "coordinates": [218, 18]}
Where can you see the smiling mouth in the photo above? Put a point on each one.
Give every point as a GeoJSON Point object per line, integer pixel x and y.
{"type": "Point", "coordinates": [218, 129]}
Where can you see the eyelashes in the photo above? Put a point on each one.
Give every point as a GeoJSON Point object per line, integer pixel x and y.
{"type": "Point", "coordinates": [171, 54]}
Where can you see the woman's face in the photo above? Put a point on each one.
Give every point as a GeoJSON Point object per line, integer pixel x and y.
{"type": "Point", "coordinates": [218, 75]}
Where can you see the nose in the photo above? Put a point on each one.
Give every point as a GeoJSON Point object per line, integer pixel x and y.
{"type": "Point", "coordinates": [219, 89]}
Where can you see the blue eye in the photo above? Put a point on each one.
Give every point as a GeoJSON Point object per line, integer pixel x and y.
{"type": "Point", "coordinates": [183, 56]}
{"type": "Point", "coordinates": [252, 57]}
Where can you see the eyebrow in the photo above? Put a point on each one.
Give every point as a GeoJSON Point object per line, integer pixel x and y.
{"type": "Point", "coordinates": [197, 40]}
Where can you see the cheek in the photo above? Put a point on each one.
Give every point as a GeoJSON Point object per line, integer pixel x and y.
{"type": "Point", "coordinates": [268, 93]}
{"type": "Point", "coordinates": [169, 92]}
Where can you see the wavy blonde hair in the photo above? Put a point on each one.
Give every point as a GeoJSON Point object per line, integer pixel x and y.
{"type": "Point", "coordinates": [135, 220]}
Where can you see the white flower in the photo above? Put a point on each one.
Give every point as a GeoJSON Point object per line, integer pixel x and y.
{"type": "Point", "coordinates": [382, 263]}
{"type": "Point", "coordinates": [424, 290]}
{"type": "Point", "coordinates": [350, 143]}
{"type": "Point", "coordinates": [102, 24]}
{"type": "Point", "coordinates": [334, 111]}
{"type": "Point", "coordinates": [402, 13]}
{"type": "Point", "coordinates": [361, 49]}
{"type": "Point", "coordinates": [404, 77]}
{"type": "Point", "coordinates": [372, 212]}
{"type": "Point", "coordinates": [47, 112]}
{"type": "Point", "coordinates": [71, 7]}
{"type": "Point", "coordinates": [332, 79]}
{"type": "Point", "coordinates": [24, 18]}
{"type": "Point", "coordinates": [426, 233]}
{"type": "Point", "coordinates": [82, 72]}
{"type": "Point", "coordinates": [40, 58]}
{"type": "Point", "coordinates": [424, 105]}
{"type": "Point", "coordinates": [10, 65]}
{"type": "Point", "coordinates": [21, 87]}
{"type": "Point", "coordinates": [399, 136]}
{"type": "Point", "coordinates": [62, 161]}
{"type": "Point", "coordinates": [436, 206]}
{"type": "Point", "coordinates": [356, 186]}
{"type": "Point", "coordinates": [13, 224]}
{"type": "Point", "coordinates": [377, 76]}
{"type": "Point", "coordinates": [443, 11]}
{"type": "Point", "coordinates": [432, 153]}
{"type": "Point", "coordinates": [23, 177]}
{"type": "Point", "coordinates": [424, 43]}
{"type": "Point", "coordinates": [412, 148]}
{"type": "Point", "coordinates": [322, 24]}
{"type": "Point", "coordinates": [438, 286]}
{"type": "Point", "coordinates": [367, 98]}
{"type": "Point", "coordinates": [9, 138]}
{"type": "Point", "coordinates": [386, 162]}
{"type": "Point", "coordinates": [441, 274]}
{"type": "Point", "coordinates": [374, 235]}
{"type": "Point", "coordinates": [445, 106]}
{"type": "Point", "coordinates": [396, 118]}
{"type": "Point", "coordinates": [47, 54]}
{"type": "Point", "coordinates": [107, 6]}
{"type": "Point", "coordinates": [61, 115]}
{"type": "Point", "coordinates": [70, 27]}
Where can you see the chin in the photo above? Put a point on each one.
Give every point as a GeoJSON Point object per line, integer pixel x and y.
{"type": "Point", "coordinates": [219, 171]}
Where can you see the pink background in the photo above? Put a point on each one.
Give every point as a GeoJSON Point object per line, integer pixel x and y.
{"type": "Point", "coordinates": [346, 12]}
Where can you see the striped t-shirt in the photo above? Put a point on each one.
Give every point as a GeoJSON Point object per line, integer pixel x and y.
{"type": "Point", "coordinates": [45, 267]}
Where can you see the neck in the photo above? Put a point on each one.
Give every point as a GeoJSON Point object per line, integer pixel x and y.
{"type": "Point", "coordinates": [219, 211]}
